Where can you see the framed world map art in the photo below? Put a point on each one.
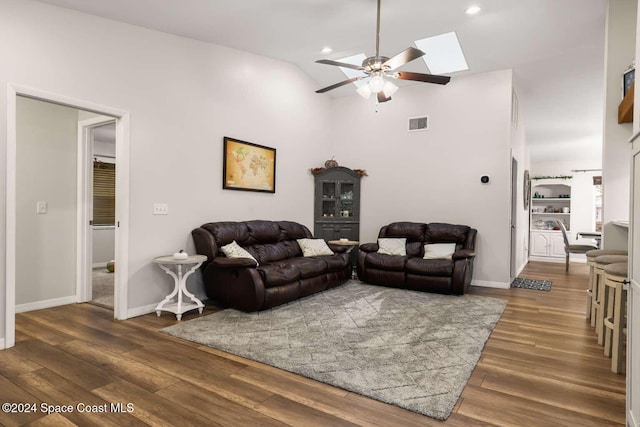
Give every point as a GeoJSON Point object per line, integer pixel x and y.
{"type": "Point", "coordinates": [248, 167]}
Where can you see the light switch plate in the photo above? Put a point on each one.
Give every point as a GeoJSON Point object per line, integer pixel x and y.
{"type": "Point", "coordinates": [160, 209]}
{"type": "Point", "coordinates": [41, 207]}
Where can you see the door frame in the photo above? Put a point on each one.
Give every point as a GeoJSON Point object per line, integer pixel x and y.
{"type": "Point", "coordinates": [122, 118]}
{"type": "Point", "coordinates": [85, 206]}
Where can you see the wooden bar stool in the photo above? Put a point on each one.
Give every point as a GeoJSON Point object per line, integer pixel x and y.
{"type": "Point", "coordinates": [601, 262]}
{"type": "Point", "coordinates": [593, 285]}
{"type": "Point", "coordinates": [615, 276]}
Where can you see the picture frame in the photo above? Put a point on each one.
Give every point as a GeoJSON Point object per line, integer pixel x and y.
{"type": "Point", "coordinates": [628, 78]}
{"type": "Point", "coordinates": [248, 167]}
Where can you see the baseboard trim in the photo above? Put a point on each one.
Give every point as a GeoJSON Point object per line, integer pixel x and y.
{"type": "Point", "coordinates": [39, 305]}
{"type": "Point", "coordinates": [141, 311]}
{"type": "Point", "coordinates": [490, 284]}
{"type": "Point", "coordinates": [546, 259]}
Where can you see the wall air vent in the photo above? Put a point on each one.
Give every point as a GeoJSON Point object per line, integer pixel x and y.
{"type": "Point", "coordinates": [418, 123]}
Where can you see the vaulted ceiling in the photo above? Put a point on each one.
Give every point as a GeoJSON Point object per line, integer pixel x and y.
{"type": "Point", "coordinates": [555, 47]}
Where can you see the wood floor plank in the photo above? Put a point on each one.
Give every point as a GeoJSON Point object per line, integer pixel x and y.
{"type": "Point", "coordinates": [14, 394]}
{"type": "Point", "coordinates": [13, 364]}
{"type": "Point", "coordinates": [55, 390]}
{"type": "Point", "coordinates": [296, 414]}
{"type": "Point", "coordinates": [115, 364]}
{"type": "Point", "coordinates": [218, 410]}
{"type": "Point", "coordinates": [149, 407]}
{"type": "Point", "coordinates": [53, 420]}
{"type": "Point", "coordinates": [64, 364]}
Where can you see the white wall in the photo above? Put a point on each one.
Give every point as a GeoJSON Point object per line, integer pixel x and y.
{"type": "Point", "coordinates": [520, 152]}
{"type": "Point", "coordinates": [434, 176]}
{"type": "Point", "coordinates": [103, 245]}
{"type": "Point", "coordinates": [183, 96]}
{"type": "Point", "coordinates": [46, 171]}
{"type": "Point", "coordinates": [620, 52]}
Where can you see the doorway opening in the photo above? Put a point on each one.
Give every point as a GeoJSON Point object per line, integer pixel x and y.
{"type": "Point", "coordinates": [61, 170]}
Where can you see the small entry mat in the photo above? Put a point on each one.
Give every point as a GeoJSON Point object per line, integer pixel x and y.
{"type": "Point", "coordinates": [524, 283]}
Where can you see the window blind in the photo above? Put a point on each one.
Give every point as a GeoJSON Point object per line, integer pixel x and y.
{"type": "Point", "coordinates": [104, 193]}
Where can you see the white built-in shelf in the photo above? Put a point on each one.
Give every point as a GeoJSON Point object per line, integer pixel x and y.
{"type": "Point", "coordinates": [549, 213]}
{"type": "Point", "coordinates": [551, 199]}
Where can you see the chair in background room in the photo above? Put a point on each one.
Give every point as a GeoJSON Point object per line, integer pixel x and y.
{"type": "Point", "coordinates": [573, 249]}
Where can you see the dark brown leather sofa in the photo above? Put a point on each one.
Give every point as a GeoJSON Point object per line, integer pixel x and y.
{"type": "Point", "coordinates": [446, 276]}
{"type": "Point", "coordinates": [282, 274]}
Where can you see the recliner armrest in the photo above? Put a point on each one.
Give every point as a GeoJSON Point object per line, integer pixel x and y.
{"type": "Point", "coordinates": [462, 254]}
{"type": "Point", "coordinates": [222, 262]}
{"type": "Point", "coordinates": [369, 247]}
{"type": "Point", "coordinates": [339, 249]}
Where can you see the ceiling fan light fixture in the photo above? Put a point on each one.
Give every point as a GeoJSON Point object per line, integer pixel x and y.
{"type": "Point", "coordinates": [364, 91]}
{"type": "Point", "coordinates": [389, 89]}
{"type": "Point", "coordinates": [377, 82]}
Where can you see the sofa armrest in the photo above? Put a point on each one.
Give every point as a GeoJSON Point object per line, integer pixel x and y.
{"type": "Point", "coordinates": [338, 249]}
{"type": "Point", "coordinates": [222, 262]}
{"type": "Point", "coordinates": [369, 247]}
{"type": "Point", "coordinates": [463, 254]}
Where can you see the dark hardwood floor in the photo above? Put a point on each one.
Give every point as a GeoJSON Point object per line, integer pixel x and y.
{"type": "Point", "coordinates": [542, 366]}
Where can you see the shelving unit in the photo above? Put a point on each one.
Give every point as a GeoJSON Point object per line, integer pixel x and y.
{"type": "Point", "coordinates": [550, 202]}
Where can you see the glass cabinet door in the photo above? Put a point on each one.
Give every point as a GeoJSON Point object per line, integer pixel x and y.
{"type": "Point", "coordinates": [329, 202]}
{"type": "Point", "coordinates": [346, 199]}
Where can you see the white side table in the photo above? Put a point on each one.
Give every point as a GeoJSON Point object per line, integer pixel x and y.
{"type": "Point", "coordinates": [350, 244]}
{"type": "Point", "coordinates": [180, 279]}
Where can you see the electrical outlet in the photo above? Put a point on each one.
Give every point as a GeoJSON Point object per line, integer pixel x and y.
{"type": "Point", "coordinates": [41, 207]}
{"type": "Point", "coordinates": [160, 209]}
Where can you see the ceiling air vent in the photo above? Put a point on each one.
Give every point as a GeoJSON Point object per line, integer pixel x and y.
{"type": "Point", "coordinates": [418, 123]}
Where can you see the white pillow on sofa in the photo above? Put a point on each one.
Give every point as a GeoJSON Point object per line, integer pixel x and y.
{"type": "Point", "coordinates": [392, 246]}
{"type": "Point", "coordinates": [314, 247]}
{"type": "Point", "coordinates": [439, 250]}
{"type": "Point", "coordinates": [234, 250]}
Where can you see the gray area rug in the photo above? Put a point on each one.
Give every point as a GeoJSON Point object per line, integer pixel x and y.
{"type": "Point", "coordinates": [411, 349]}
{"type": "Point", "coordinates": [538, 285]}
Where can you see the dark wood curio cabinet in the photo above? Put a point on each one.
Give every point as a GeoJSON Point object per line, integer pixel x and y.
{"type": "Point", "coordinates": [337, 204]}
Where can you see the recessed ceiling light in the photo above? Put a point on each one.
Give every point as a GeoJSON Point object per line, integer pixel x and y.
{"type": "Point", "coordinates": [473, 10]}
{"type": "Point", "coordinates": [326, 49]}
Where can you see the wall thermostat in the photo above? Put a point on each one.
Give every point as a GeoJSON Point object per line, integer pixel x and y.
{"type": "Point", "coordinates": [484, 179]}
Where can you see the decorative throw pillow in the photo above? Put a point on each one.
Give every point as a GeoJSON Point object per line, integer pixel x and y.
{"type": "Point", "coordinates": [314, 247]}
{"type": "Point", "coordinates": [396, 246]}
{"type": "Point", "coordinates": [234, 250]}
{"type": "Point", "coordinates": [439, 250]}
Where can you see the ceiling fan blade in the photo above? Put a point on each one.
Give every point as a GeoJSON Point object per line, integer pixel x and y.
{"type": "Point", "coordinates": [403, 57]}
{"type": "Point", "coordinates": [427, 78]}
{"type": "Point", "coordinates": [339, 64]}
{"type": "Point", "coordinates": [382, 97]}
{"type": "Point", "coordinates": [342, 83]}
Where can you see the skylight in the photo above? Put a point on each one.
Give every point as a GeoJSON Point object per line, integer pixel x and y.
{"type": "Point", "coordinates": [443, 54]}
{"type": "Point", "coordinates": [349, 72]}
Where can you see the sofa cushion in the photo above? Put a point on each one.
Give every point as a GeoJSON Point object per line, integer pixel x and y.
{"type": "Point", "coordinates": [439, 250]}
{"type": "Point", "coordinates": [430, 267]}
{"type": "Point", "coordinates": [385, 262]}
{"type": "Point", "coordinates": [446, 233]}
{"type": "Point", "coordinates": [336, 262]}
{"type": "Point", "coordinates": [233, 250]}
{"type": "Point", "coordinates": [270, 252]}
{"type": "Point", "coordinates": [262, 232]}
{"type": "Point", "coordinates": [308, 267]}
{"type": "Point", "coordinates": [278, 273]}
{"type": "Point", "coordinates": [412, 231]}
{"type": "Point", "coordinates": [226, 232]}
{"type": "Point", "coordinates": [392, 246]}
{"type": "Point", "coordinates": [314, 247]}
